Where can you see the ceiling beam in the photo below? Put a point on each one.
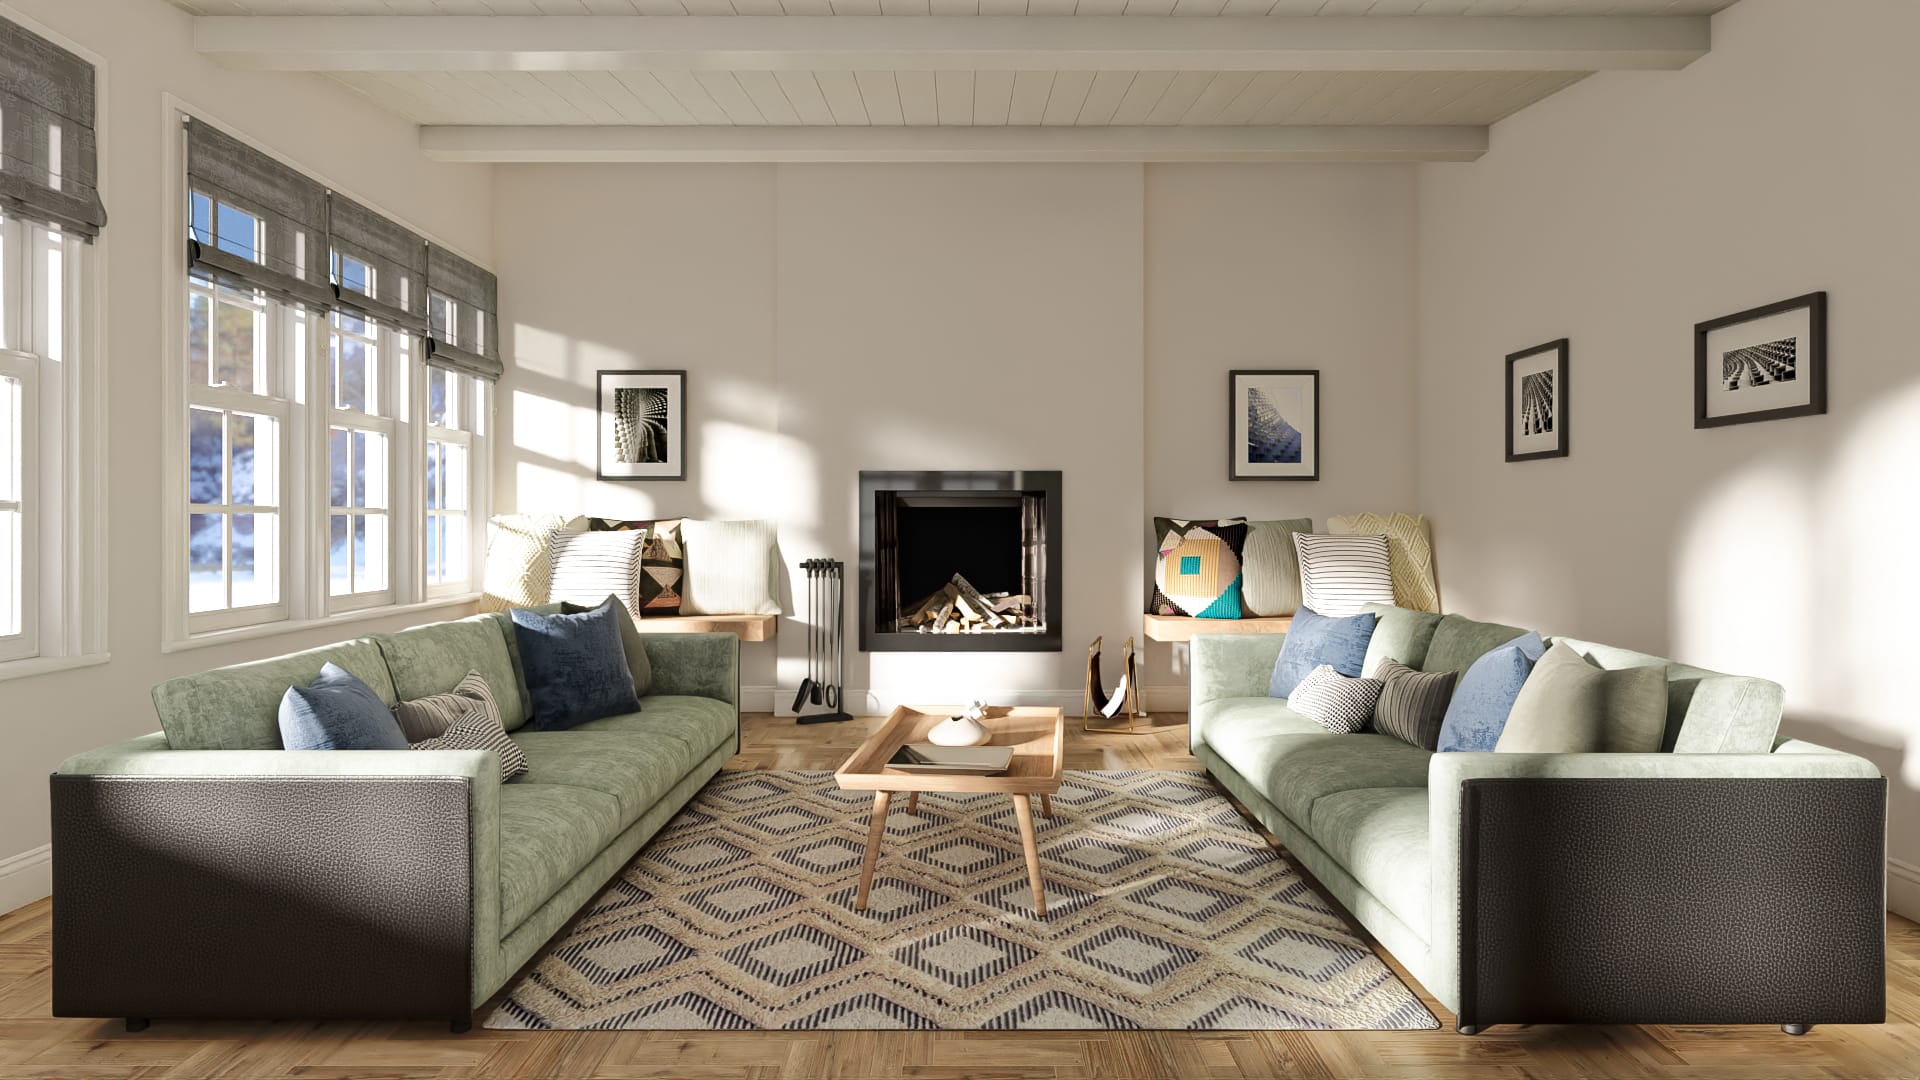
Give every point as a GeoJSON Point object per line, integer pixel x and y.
{"type": "Point", "coordinates": [949, 43]}
{"type": "Point", "coordinates": [574, 145]}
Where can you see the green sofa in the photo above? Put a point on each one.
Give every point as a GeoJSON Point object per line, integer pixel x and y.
{"type": "Point", "coordinates": [202, 871]}
{"type": "Point", "coordinates": [1730, 878]}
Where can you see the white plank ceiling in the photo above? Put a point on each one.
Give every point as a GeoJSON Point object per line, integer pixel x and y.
{"type": "Point", "coordinates": [953, 7]}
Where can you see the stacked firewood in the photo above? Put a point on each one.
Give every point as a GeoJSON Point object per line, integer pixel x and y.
{"type": "Point", "coordinates": [959, 608]}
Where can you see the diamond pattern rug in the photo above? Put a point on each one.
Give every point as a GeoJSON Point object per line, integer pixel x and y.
{"type": "Point", "coordinates": [1165, 910]}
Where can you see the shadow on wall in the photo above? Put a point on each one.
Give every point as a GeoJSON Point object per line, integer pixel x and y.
{"type": "Point", "coordinates": [1805, 570]}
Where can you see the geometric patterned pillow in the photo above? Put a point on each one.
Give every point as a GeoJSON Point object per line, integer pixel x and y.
{"type": "Point", "coordinates": [479, 729]}
{"type": "Point", "coordinates": [663, 562]}
{"type": "Point", "coordinates": [1197, 571]}
{"type": "Point", "coordinates": [1340, 704]}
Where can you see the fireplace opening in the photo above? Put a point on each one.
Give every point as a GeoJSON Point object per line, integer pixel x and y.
{"type": "Point", "coordinates": [959, 561]}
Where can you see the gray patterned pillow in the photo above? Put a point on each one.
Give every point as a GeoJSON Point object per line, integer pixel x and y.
{"type": "Point", "coordinates": [1413, 704]}
{"type": "Point", "coordinates": [479, 729]}
{"type": "Point", "coordinates": [429, 717]}
{"type": "Point", "coordinates": [1341, 704]}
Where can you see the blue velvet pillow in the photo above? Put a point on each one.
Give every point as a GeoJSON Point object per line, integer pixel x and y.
{"type": "Point", "coordinates": [576, 669]}
{"type": "Point", "coordinates": [1484, 696]}
{"type": "Point", "coordinates": [1315, 639]}
{"type": "Point", "coordinates": [337, 712]}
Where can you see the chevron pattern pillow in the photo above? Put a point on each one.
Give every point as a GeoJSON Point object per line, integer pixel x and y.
{"type": "Point", "coordinates": [1340, 704]}
{"type": "Point", "coordinates": [479, 729]}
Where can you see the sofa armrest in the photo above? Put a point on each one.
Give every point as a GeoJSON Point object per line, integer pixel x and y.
{"type": "Point", "coordinates": [272, 883]}
{"type": "Point", "coordinates": [696, 665]}
{"type": "Point", "coordinates": [1658, 888]}
{"type": "Point", "coordinates": [1232, 666]}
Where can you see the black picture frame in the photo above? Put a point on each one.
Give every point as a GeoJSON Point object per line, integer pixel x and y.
{"type": "Point", "coordinates": [1238, 461]}
{"type": "Point", "coordinates": [1815, 305]}
{"type": "Point", "coordinates": [674, 383]}
{"type": "Point", "coordinates": [1562, 412]}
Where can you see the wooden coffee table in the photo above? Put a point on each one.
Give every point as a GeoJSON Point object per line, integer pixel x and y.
{"type": "Point", "coordinates": [1036, 735]}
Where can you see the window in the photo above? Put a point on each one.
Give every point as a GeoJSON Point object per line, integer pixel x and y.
{"type": "Point", "coordinates": [40, 283]}
{"type": "Point", "coordinates": [455, 402]}
{"type": "Point", "coordinates": [360, 436]}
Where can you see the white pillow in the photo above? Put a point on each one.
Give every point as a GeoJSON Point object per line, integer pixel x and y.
{"type": "Point", "coordinates": [1341, 575]}
{"type": "Point", "coordinates": [730, 568]}
{"type": "Point", "coordinates": [519, 566]}
{"type": "Point", "coordinates": [588, 567]}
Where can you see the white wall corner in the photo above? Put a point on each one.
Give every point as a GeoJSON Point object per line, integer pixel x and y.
{"type": "Point", "coordinates": [26, 877]}
{"type": "Point", "coordinates": [1903, 888]}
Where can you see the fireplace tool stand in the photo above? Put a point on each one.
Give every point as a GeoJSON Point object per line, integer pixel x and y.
{"type": "Point", "coordinates": [826, 643]}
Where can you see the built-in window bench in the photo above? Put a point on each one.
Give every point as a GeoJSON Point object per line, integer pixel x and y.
{"type": "Point", "coordinates": [1178, 628]}
{"type": "Point", "coordinates": [744, 627]}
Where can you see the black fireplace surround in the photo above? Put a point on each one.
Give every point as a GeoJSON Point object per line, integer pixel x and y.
{"type": "Point", "coordinates": [1000, 530]}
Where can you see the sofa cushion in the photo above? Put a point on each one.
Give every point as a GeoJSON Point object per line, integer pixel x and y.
{"type": "Point", "coordinates": [635, 770]}
{"type": "Point", "coordinates": [1399, 634]}
{"type": "Point", "coordinates": [337, 712]}
{"type": "Point", "coordinates": [1458, 642]}
{"type": "Point", "coordinates": [238, 707]}
{"type": "Point", "coordinates": [1707, 712]}
{"type": "Point", "coordinates": [633, 643]}
{"type": "Point", "coordinates": [1315, 639]}
{"type": "Point", "coordinates": [702, 723]}
{"type": "Point", "coordinates": [575, 667]}
{"type": "Point", "coordinates": [1270, 567]}
{"type": "Point", "coordinates": [1295, 762]}
{"type": "Point", "coordinates": [1571, 705]}
{"type": "Point", "coordinates": [1379, 835]}
{"type": "Point", "coordinates": [432, 659]}
{"type": "Point", "coordinates": [548, 833]}
{"type": "Point", "coordinates": [1483, 697]}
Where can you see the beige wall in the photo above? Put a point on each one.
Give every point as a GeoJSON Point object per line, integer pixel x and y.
{"type": "Point", "coordinates": [1619, 213]}
{"type": "Point", "coordinates": [144, 50]}
{"type": "Point", "coordinates": [836, 318]}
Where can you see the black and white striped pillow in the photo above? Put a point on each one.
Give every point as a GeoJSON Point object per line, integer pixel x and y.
{"type": "Point", "coordinates": [429, 717]}
{"type": "Point", "coordinates": [479, 729]}
{"type": "Point", "coordinates": [588, 566]}
{"type": "Point", "coordinates": [1341, 575]}
{"type": "Point", "coordinates": [1412, 703]}
{"type": "Point", "coordinates": [1340, 704]}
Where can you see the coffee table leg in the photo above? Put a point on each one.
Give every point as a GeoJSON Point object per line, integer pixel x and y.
{"type": "Point", "coordinates": [874, 835]}
{"type": "Point", "coordinates": [1046, 806]}
{"type": "Point", "coordinates": [1023, 810]}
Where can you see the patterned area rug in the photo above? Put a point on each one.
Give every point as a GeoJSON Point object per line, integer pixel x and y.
{"type": "Point", "coordinates": [1165, 910]}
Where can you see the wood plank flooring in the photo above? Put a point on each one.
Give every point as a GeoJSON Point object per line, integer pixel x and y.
{"type": "Point", "coordinates": [32, 1044]}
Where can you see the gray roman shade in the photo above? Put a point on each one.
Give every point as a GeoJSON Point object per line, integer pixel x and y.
{"type": "Point", "coordinates": [398, 257]}
{"type": "Point", "coordinates": [48, 167]}
{"type": "Point", "coordinates": [472, 344]}
{"type": "Point", "coordinates": [287, 254]}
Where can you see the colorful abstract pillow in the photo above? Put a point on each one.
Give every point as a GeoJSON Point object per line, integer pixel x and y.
{"type": "Point", "coordinates": [1198, 569]}
{"type": "Point", "coordinates": [663, 562]}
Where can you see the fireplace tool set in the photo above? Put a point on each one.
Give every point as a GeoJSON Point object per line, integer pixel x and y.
{"type": "Point", "coordinates": [826, 643]}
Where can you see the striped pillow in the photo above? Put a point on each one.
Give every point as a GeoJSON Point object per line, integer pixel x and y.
{"type": "Point", "coordinates": [479, 729]}
{"type": "Point", "coordinates": [590, 566]}
{"type": "Point", "coordinates": [429, 717]}
{"type": "Point", "coordinates": [1413, 704]}
{"type": "Point", "coordinates": [1341, 575]}
{"type": "Point", "coordinates": [1334, 701]}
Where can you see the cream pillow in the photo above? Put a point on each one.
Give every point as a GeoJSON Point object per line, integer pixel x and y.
{"type": "Point", "coordinates": [1570, 706]}
{"type": "Point", "coordinates": [730, 568]}
{"type": "Point", "coordinates": [520, 558]}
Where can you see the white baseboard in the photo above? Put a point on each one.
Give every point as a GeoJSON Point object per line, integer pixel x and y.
{"type": "Point", "coordinates": [26, 877]}
{"type": "Point", "coordinates": [871, 702]}
{"type": "Point", "coordinates": [758, 698]}
{"type": "Point", "coordinates": [1903, 888]}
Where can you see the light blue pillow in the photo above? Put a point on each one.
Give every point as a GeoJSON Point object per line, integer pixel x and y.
{"type": "Point", "coordinates": [337, 712]}
{"type": "Point", "coordinates": [575, 665]}
{"type": "Point", "coordinates": [1316, 639]}
{"type": "Point", "coordinates": [1484, 696]}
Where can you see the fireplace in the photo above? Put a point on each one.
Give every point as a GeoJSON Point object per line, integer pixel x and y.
{"type": "Point", "coordinates": [960, 561]}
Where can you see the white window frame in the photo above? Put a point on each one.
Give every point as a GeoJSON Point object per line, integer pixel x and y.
{"type": "Point", "coordinates": [49, 344]}
{"type": "Point", "coordinates": [470, 405]}
{"type": "Point", "coordinates": [392, 354]}
{"type": "Point", "coordinates": [305, 507]}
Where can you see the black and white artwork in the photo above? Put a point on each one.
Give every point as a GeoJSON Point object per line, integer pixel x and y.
{"type": "Point", "coordinates": [642, 425]}
{"type": "Point", "coordinates": [1768, 363]}
{"type": "Point", "coordinates": [1273, 425]}
{"type": "Point", "coordinates": [1537, 402]}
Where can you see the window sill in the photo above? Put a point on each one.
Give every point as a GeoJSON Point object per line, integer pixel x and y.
{"type": "Point", "coordinates": [274, 629]}
{"type": "Point", "coordinates": [30, 666]}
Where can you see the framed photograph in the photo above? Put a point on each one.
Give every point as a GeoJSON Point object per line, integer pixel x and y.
{"type": "Point", "coordinates": [1537, 402]}
{"type": "Point", "coordinates": [1273, 425]}
{"type": "Point", "coordinates": [1766, 364]}
{"type": "Point", "coordinates": [643, 425]}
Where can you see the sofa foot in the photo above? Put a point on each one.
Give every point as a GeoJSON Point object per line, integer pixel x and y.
{"type": "Point", "coordinates": [1467, 1029]}
{"type": "Point", "coordinates": [138, 1023]}
{"type": "Point", "coordinates": [460, 1025]}
{"type": "Point", "coordinates": [1796, 1029]}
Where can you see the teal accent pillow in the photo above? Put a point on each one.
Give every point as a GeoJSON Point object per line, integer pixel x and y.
{"type": "Point", "coordinates": [337, 712]}
{"type": "Point", "coordinates": [1225, 606]}
{"type": "Point", "coordinates": [1484, 697]}
{"type": "Point", "coordinates": [575, 666]}
{"type": "Point", "coordinates": [1315, 639]}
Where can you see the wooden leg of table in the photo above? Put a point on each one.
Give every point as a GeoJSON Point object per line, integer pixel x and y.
{"type": "Point", "coordinates": [1023, 810]}
{"type": "Point", "coordinates": [1046, 806]}
{"type": "Point", "coordinates": [913, 802]}
{"type": "Point", "coordinates": [874, 835]}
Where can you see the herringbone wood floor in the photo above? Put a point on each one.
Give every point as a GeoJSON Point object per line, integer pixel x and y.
{"type": "Point", "coordinates": [34, 1044]}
